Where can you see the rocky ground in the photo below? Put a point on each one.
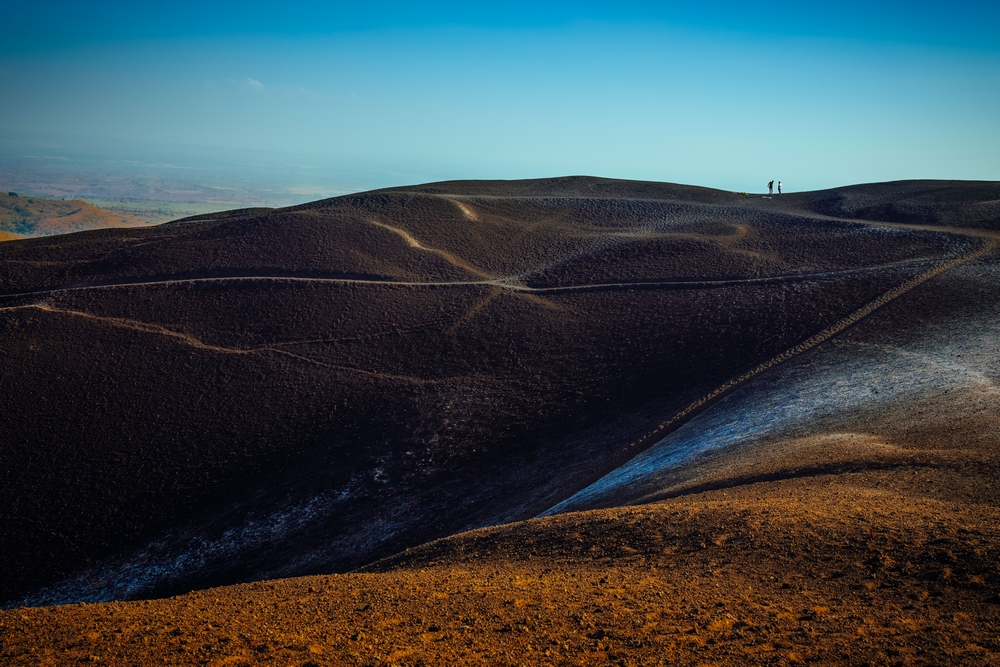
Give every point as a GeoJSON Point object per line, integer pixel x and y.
{"type": "Point", "coordinates": [790, 459]}
{"type": "Point", "coordinates": [833, 569]}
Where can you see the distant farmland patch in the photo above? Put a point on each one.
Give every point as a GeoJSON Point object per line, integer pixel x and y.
{"type": "Point", "coordinates": [25, 216]}
{"type": "Point", "coordinates": [153, 212]}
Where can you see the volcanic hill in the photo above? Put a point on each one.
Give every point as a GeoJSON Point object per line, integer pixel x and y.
{"type": "Point", "coordinates": [25, 216]}
{"type": "Point", "coordinates": [751, 429]}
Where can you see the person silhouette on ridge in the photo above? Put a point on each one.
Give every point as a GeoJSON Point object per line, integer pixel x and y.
{"type": "Point", "coordinates": [779, 188]}
{"type": "Point", "coordinates": [770, 187]}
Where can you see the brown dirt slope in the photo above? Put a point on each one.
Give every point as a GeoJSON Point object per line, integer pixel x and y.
{"type": "Point", "coordinates": [274, 393]}
{"type": "Point", "coordinates": [35, 216]}
{"type": "Point", "coordinates": [835, 569]}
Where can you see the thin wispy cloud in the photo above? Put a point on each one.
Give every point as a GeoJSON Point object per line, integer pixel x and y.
{"type": "Point", "coordinates": [253, 84]}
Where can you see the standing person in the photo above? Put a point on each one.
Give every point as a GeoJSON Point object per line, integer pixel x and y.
{"type": "Point", "coordinates": [770, 187]}
{"type": "Point", "coordinates": [779, 188]}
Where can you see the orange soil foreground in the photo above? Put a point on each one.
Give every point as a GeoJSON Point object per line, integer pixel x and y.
{"type": "Point", "coordinates": [851, 568]}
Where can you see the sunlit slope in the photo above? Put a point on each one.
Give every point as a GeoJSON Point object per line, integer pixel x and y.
{"type": "Point", "coordinates": [270, 393]}
{"type": "Point", "coordinates": [832, 568]}
{"type": "Point", "coordinates": [26, 216]}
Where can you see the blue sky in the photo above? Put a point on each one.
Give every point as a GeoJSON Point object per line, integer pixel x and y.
{"type": "Point", "coordinates": [722, 94]}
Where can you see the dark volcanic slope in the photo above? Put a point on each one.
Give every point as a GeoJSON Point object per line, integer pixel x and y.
{"type": "Point", "coordinates": [955, 204]}
{"type": "Point", "coordinates": [270, 393]}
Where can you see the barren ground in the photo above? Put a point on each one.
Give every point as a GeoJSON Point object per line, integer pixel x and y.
{"type": "Point", "coordinates": [763, 431]}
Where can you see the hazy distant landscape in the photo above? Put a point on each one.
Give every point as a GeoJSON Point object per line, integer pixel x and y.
{"type": "Point", "coordinates": [180, 184]}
